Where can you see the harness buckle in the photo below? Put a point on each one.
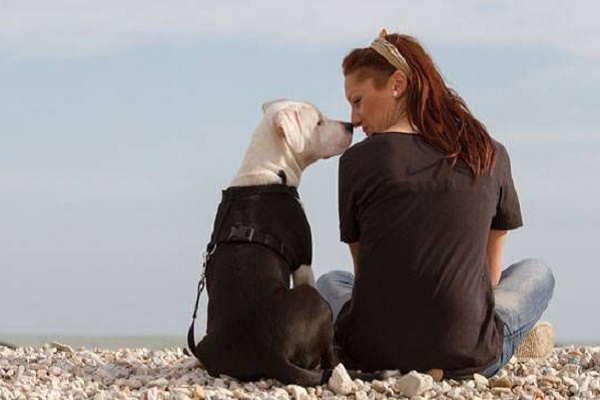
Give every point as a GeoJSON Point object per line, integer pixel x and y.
{"type": "Point", "coordinates": [207, 254]}
{"type": "Point", "coordinates": [243, 233]}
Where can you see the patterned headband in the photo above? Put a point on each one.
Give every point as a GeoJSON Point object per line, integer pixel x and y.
{"type": "Point", "coordinates": [390, 53]}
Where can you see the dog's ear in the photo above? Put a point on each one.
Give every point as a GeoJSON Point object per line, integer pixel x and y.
{"type": "Point", "coordinates": [287, 123]}
{"type": "Point", "coordinates": [268, 104]}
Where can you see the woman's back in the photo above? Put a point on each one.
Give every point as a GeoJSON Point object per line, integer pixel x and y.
{"type": "Point", "coordinates": [423, 226]}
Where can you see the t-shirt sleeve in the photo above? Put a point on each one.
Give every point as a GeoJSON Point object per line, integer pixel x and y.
{"type": "Point", "coordinates": [508, 209]}
{"type": "Point", "coordinates": [349, 227]}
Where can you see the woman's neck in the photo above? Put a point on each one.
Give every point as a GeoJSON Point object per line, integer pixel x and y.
{"type": "Point", "coordinates": [401, 126]}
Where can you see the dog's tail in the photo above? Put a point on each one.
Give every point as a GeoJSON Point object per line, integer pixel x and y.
{"type": "Point", "coordinates": [288, 373]}
{"type": "Point", "coordinates": [191, 341]}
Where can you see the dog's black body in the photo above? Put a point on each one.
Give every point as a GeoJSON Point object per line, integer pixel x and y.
{"type": "Point", "coordinates": [257, 326]}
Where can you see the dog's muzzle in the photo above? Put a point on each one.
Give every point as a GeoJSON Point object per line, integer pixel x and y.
{"type": "Point", "coordinates": [349, 127]}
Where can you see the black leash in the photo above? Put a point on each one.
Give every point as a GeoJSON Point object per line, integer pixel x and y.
{"type": "Point", "coordinates": [201, 284]}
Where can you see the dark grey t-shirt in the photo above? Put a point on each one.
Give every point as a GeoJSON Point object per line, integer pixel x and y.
{"type": "Point", "coordinates": [423, 298]}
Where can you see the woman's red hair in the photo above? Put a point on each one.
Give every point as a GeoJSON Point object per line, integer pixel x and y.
{"type": "Point", "coordinates": [438, 113]}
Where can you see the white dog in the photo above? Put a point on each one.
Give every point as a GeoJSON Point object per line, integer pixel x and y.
{"type": "Point", "coordinates": [257, 325]}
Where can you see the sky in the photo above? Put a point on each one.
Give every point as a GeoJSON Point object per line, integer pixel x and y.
{"type": "Point", "coordinates": [122, 120]}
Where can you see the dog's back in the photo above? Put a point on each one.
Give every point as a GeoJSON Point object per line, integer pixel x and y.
{"type": "Point", "coordinates": [256, 324]}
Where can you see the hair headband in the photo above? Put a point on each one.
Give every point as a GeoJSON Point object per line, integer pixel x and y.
{"type": "Point", "coordinates": [390, 53]}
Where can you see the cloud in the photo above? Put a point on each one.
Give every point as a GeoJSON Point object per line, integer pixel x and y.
{"type": "Point", "coordinates": [85, 26]}
{"type": "Point", "coordinates": [578, 72]}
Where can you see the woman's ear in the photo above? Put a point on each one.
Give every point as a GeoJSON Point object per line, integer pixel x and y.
{"type": "Point", "coordinates": [399, 83]}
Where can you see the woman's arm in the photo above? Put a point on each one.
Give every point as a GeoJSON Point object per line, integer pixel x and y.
{"type": "Point", "coordinates": [494, 250]}
{"type": "Point", "coordinates": [354, 251]}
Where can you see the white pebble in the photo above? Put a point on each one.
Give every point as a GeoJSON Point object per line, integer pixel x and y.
{"type": "Point", "coordinates": [361, 395]}
{"type": "Point", "coordinates": [297, 392]}
{"type": "Point", "coordinates": [413, 384]}
{"type": "Point", "coordinates": [340, 382]}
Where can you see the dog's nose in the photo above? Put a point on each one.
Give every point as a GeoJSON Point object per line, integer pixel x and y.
{"type": "Point", "coordinates": [349, 127]}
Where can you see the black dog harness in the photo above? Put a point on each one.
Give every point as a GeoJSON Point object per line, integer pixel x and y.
{"type": "Point", "coordinates": [269, 215]}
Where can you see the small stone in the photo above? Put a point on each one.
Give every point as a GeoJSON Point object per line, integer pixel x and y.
{"type": "Point", "coordinates": [220, 383]}
{"type": "Point", "coordinates": [264, 384]}
{"type": "Point", "coordinates": [132, 383]}
{"type": "Point", "coordinates": [179, 396]}
{"type": "Point", "coordinates": [504, 382]}
{"type": "Point", "coordinates": [584, 384]}
{"type": "Point", "coordinates": [569, 381]}
{"type": "Point", "coordinates": [152, 394]}
{"type": "Point", "coordinates": [538, 394]}
{"type": "Point", "coordinates": [596, 358]}
{"type": "Point", "coordinates": [442, 387]}
{"type": "Point", "coordinates": [182, 391]}
{"type": "Point", "coordinates": [413, 384]}
{"type": "Point", "coordinates": [480, 381]}
{"type": "Point", "coordinates": [469, 385]}
{"type": "Point", "coordinates": [530, 380]}
{"type": "Point", "coordinates": [499, 390]}
{"type": "Point", "coordinates": [65, 348]}
{"type": "Point", "coordinates": [569, 370]}
{"type": "Point", "coordinates": [158, 382]}
{"type": "Point", "coordinates": [280, 394]}
{"type": "Point", "coordinates": [297, 392]}
{"type": "Point", "coordinates": [199, 393]}
{"type": "Point", "coordinates": [361, 395]}
{"type": "Point", "coordinates": [340, 382]}
{"type": "Point", "coordinates": [379, 386]}
{"type": "Point", "coordinates": [360, 385]}
{"type": "Point", "coordinates": [550, 379]}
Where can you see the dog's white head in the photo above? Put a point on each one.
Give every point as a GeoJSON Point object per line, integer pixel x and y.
{"type": "Point", "coordinates": [307, 132]}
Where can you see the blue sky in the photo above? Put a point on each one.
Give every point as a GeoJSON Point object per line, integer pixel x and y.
{"type": "Point", "coordinates": [121, 121]}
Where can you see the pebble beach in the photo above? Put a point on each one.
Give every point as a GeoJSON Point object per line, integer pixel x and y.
{"type": "Point", "coordinates": [56, 371]}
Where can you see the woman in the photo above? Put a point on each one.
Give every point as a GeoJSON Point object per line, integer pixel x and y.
{"type": "Point", "coordinates": [425, 203]}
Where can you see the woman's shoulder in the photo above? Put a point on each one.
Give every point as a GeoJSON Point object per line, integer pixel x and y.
{"type": "Point", "coordinates": [378, 144]}
{"type": "Point", "coordinates": [502, 155]}
{"type": "Point", "coordinates": [355, 151]}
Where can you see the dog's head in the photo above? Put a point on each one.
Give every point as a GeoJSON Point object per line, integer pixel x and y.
{"type": "Point", "coordinates": [306, 131]}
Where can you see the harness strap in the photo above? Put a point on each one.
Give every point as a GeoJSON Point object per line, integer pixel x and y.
{"type": "Point", "coordinates": [251, 235]}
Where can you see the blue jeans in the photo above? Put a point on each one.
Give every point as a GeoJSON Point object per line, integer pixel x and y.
{"type": "Point", "coordinates": [522, 296]}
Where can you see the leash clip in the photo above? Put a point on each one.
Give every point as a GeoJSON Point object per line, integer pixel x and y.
{"type": "Point", "coordinates": [207, 254]}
